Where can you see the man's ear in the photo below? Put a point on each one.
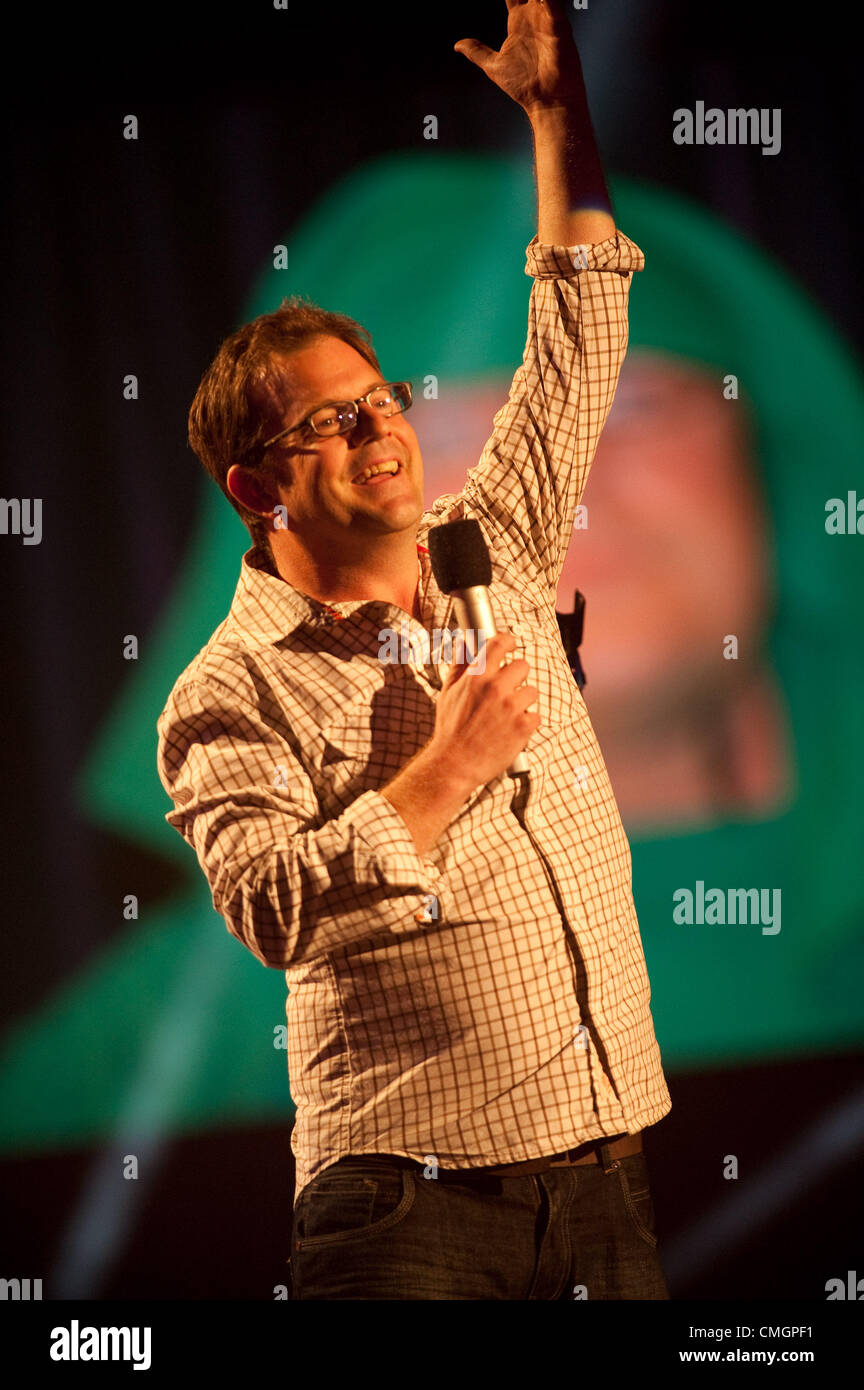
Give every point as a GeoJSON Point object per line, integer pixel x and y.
{"type": "Point", "coordinates": [252, 490]}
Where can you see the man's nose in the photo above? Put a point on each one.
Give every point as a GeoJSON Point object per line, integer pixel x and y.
{"type": "Point", "coordinates": [371, 420]}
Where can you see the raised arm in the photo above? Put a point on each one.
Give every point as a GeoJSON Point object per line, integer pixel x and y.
{"type": "Point", "coordinates": [538, 66]}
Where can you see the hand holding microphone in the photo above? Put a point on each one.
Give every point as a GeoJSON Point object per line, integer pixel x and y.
{"type": "Point", "coordinates": [482, 720]}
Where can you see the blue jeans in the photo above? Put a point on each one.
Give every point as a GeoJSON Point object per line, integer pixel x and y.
{"type": "Point", "coordinates": [372, 1227]}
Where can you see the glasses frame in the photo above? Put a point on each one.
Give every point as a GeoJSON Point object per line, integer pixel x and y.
{"type": "Point", "coordinates": [306, 423]}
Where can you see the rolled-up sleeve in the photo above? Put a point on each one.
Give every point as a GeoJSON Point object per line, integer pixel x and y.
{"type": "Point", "coordinates": [288, 886]}
{"type": "Point", "coordinates": [535, 464]}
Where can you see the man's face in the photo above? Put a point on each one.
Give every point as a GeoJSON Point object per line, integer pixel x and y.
{"type": "Point", "coordinates": [316, 475]}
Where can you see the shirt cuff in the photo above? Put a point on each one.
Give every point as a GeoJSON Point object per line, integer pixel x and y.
{"type": "Point", "coordinates": [392, 850]}
{"type": "Point", "coordinates": [546, 262]}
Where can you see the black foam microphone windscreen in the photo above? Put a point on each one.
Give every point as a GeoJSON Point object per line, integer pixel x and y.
{"type": "Point", "coordinates": [459, 556]}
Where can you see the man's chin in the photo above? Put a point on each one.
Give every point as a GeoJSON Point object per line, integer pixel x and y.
{"type": "Point", "coordinates": [389, 520]}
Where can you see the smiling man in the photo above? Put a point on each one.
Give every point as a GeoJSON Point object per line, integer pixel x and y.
{"type": "Point", "coordinates": [470, 1043]}
{"type": "Point", "coordinates": [349, 502]}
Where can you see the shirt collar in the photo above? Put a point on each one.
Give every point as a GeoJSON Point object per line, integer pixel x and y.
{"type": "Point", "coordinates": [266, 608]}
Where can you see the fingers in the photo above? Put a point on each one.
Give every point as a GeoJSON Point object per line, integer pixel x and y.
{"type": "Point", "coordinates": [491, 651]}
{"type": "Point", "coordinates": [496, 650]}
{"type": "Point", "coordinates": [511, 675]}
{"type": "Point", "coordinates": [486, 655]}
{"type": "Point", "coordinates": [477, 52]}
{"type": "Point", "coordinates": [490, 662]}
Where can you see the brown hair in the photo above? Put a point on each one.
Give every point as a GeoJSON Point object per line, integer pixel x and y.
{"type": "Point", "coordinates": [241, 397]}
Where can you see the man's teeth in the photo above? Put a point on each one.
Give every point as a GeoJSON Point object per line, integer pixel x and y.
{"type": "Point", "coordinates": [390, 467]}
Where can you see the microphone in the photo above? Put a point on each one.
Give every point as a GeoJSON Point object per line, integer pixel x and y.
{"type": "Point", "coordinates": [461, 566]}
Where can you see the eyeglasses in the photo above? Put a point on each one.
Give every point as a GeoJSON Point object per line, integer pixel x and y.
{"type": "Point", "coordinates": [339, 417]}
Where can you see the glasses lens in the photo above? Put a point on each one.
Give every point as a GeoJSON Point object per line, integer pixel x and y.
{"type": "Point", "coordinates": [334, 419]}
{"type": "Point", "coordinates": [392, 398]}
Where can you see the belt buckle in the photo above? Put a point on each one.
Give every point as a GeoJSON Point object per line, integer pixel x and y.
{"type": "Point", "coordinates": [604, 1157]}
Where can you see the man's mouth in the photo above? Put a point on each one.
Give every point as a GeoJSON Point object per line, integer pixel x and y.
{"type": "Point", "coordinates": [378, 473]}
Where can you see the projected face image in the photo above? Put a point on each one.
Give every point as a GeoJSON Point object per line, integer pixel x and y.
{"type": "Point", "coordinates": [674, 555]}
{"type": "Point", "coordinates": [675, 560]}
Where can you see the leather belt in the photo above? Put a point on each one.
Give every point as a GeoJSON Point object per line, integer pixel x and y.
{"type": "Point", "coordinates": [602, 1151]}
{"type": "Point", "coordinates": [606, 1152]}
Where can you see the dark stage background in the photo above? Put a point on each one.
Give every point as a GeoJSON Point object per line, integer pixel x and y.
{"type": "Point", "coordinates": [138, 257]}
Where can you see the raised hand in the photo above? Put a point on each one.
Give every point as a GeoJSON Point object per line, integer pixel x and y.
{"type": "Point", "coordinates": [538, 63]}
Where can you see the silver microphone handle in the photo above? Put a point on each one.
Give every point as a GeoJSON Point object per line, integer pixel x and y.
{"type": "Point", "coordinates": [474, 614]}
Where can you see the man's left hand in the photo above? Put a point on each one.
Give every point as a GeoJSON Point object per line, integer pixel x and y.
{"type": "Point", "coordinates": [538, 63]}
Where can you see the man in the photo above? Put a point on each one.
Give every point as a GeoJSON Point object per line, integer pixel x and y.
{"type": "Point", "coordinates": [470, 1043]}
